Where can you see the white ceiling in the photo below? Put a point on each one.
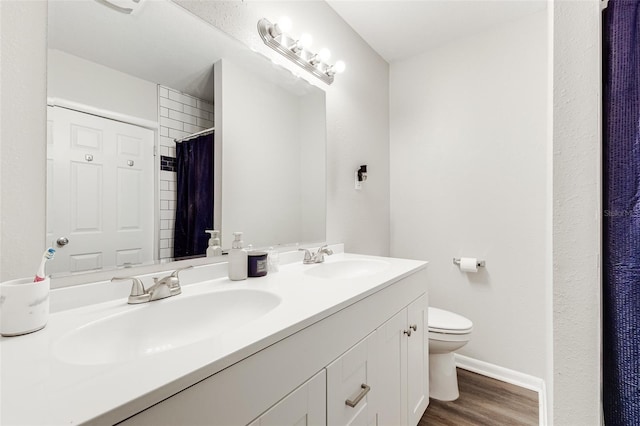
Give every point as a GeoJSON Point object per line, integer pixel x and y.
{"type": "Point", "coordinates": [398, 29]}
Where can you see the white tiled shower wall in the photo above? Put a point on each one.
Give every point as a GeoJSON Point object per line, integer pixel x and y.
{"type": "Point", "coordinates": [179, 115]}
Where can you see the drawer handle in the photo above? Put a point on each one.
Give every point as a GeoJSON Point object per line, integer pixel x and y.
{"type": "Point", "coordinates": [365, 390]}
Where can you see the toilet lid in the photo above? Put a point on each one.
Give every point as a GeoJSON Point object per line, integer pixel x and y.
{"type": "Point", "coordinates": [442, 321]}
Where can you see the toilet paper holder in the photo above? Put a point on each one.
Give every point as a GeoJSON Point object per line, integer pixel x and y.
{"type": "Point", "coordinates": [479, 263]}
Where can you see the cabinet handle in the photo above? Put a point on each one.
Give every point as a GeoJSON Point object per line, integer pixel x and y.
{"type": "Point", "coordinates": [414, 326]}
{"type": "Point", "coordinates": [365, 390]}
{"type": "Point", "coordinates": [408, 332]}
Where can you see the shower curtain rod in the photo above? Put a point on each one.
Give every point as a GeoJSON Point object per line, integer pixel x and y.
{"type": "Point", "coordinates": [193, 135]}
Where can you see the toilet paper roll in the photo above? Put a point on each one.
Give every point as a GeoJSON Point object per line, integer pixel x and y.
{"type": "Point", "coordinates": [468, 264]}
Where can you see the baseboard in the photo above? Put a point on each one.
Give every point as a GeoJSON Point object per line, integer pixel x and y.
{"type": "Point", "coordinates": [508, 376]}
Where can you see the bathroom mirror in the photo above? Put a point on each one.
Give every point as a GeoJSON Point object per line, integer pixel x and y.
{"type": "Point", "coordinates": [133, 84]}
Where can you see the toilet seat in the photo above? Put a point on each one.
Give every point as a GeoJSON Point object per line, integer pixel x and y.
{"type": "Point", "coordinates": [445, 322]}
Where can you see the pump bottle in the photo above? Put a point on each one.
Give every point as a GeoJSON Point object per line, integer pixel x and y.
{"type": "Point", "coordinates": [214, 248]}
{"type": "Point", "coordinates": [237, 259]}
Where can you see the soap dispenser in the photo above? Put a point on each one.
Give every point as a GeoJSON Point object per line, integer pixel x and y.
{"type": "Point", "coordinates": [238, 262]}
{"type": "Point", "coordinates": [214, 248]}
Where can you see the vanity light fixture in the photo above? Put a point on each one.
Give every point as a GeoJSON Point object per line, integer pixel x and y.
{"type": "Point", "coordinates": [277, 37]}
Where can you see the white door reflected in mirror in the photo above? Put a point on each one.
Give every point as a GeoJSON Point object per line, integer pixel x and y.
{"type": "Point", "coordinates": [100, 192]}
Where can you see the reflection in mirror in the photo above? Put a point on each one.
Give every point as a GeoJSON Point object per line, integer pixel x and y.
{"type": "Point", "coordinates": [126, 95]}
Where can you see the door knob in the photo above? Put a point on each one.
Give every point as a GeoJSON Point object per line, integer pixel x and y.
{"type": "Point", "coordinates": [414, 327]}
{"type": "Point", "coordinates": [62, 241]}
{"type": "Point", "coordinates": [407, 332]}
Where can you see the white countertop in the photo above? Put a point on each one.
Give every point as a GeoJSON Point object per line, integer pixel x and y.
{"type": "Point", "coordinates": [37, 388]}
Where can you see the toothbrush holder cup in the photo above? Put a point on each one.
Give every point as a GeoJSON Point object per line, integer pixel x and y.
{"type": "Point", "coordinates": [24, 306]}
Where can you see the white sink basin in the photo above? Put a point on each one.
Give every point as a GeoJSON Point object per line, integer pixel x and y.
{"type": "Point", "coordinates": [347, 268]}
{"type": "Point", "coordinates": [162, 325]}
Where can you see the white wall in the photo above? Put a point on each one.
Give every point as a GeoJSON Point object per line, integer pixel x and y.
{"type": "Point", "coordinates": [75, 79]}
{"type": "Point", "coordinates": [577, 213]}
{"type": "Point", "coordinates": [468, 178]}
{"type": "Point", "coordinates": [23, 115]}
{"type": "Point", "coordinates": [357, 111]}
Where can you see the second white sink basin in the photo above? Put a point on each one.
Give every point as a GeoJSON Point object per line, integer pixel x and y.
{"type": "Point", "coordinates": [347, 268]}
{"type": "Point", "coordinates": [163, 325]}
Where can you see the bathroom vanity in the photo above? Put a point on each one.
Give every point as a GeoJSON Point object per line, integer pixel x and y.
{"type": "Point", "coordinates": [339, 342]}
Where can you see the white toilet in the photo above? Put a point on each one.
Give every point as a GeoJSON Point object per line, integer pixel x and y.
{"type": "Point", "coordinates": [448, 332]}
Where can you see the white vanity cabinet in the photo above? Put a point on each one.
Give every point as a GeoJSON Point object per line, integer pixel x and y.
{"type": "Point", "coordinates": [402, 366]}
{"type": "Point", "coordinates": [389, 369]}
{"type": "Point", "coordinates": [307, 377]}
{"type": "Point", "coordinates": [305, 406]}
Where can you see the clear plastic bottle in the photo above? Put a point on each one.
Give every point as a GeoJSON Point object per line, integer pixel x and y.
{"type": "Point", "coordinates": [273, 260]}
{"type": "Point", "coordinates": [238, 260]}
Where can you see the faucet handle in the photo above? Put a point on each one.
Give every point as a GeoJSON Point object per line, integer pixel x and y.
{"type": "Point", "coordinates": [307, 254]}
{"type": "Point", "coordinates": [167, 286]}
{"type": "Point", "coordinates": [319, 256]}
{"type": "Point", "coordinates": [174, 281]}
{"type": "Point", "coordinates": [177, 271]}
{"type": "Point", "coordinates": [137, 288]}
{"type": "Point", "coordinates": [325, 249]}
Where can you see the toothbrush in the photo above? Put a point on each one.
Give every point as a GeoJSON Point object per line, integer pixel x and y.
{"type": "Point", "coordinates": [48, 254]}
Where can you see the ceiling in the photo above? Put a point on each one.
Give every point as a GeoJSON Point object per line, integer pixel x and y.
{"type": "Point", "coordinates": [398, 29]}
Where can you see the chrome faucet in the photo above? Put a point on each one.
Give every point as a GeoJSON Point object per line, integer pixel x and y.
{"type": "Point", "coordinates": [318, 257]}
{"type": "Point", "coordinates": [161, 288]}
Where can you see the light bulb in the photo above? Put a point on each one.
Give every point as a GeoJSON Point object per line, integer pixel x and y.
{"type": "Point", "coordinates": [324, 54]}
{"type": "Point", "coordinates": [305, 41]}
{"type": "Point", "coordinates": [339, 67]}
{"type": "Point", "coordinates": [284, 24]}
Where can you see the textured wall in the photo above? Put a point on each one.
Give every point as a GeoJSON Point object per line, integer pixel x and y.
{"type": "Point", "coordinates": [576, 213]}
{"type": "Point", "coordinates": [469, 178]}
{"type": "Point", "coordinates": [357, 111]}
{"type": "Point", "coordinates": [23, 47]}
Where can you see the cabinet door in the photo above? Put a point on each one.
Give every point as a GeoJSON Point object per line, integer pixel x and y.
{"type": "Point", "coordinates": [417, 360]}
{"type": "Point", "coordinates": [390, 351]}
{"type": "Point", "coordinates": [348, 379]}
{"type": "Point", "coordinates": [306, 406]}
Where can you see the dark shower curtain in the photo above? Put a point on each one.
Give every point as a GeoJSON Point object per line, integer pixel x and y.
{"type": "Point", "coordinates": [621, 230]}
{"type": "Point", "coordinates": [194, 203]}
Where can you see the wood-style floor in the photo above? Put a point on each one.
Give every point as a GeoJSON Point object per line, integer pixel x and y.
{"type": "Point", "coordinates": [484, 401]}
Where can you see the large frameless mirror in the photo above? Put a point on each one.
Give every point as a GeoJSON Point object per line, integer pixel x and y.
{"type": "Point", "coordinates": [150, 113]}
